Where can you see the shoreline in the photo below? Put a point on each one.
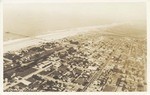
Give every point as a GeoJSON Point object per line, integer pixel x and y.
{"type": "Point", "coordinates": [17, 44]}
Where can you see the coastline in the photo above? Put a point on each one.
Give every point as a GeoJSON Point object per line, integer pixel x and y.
{"type": "Point", "coordinates": [17, 44]}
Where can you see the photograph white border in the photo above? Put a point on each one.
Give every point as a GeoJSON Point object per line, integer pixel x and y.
{"type": "Point", "coordinates": [73, 93]}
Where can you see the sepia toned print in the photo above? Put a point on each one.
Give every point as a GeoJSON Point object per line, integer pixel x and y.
{"type": "Point", "coordinates": [99, 50]}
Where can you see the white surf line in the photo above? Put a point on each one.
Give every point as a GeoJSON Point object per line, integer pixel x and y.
{"type": "Point", "coordinates": [25, 42]}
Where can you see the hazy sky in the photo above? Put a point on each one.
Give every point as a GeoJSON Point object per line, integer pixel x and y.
{"type": "Point", "coordinates": [32, 18]}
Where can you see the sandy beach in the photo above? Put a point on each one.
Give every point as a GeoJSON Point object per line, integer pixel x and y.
{"type": "Point", "coordinates": [29, 41]}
